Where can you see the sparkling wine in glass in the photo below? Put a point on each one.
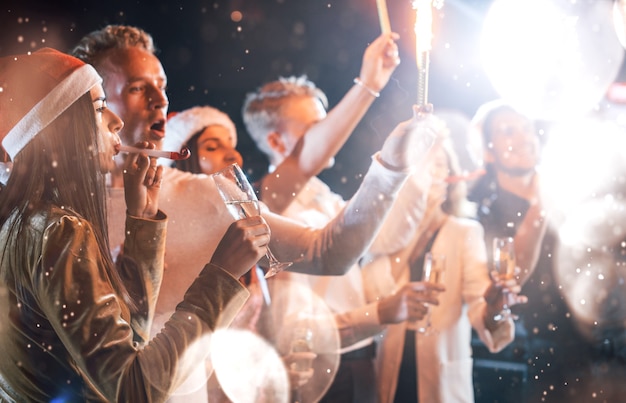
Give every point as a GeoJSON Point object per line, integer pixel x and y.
{"type": "Point", "coordinates": [504, 268]}
{"type": "Point", "coordinates": [434, 272]}
{"type": "Point", "coordinates": [241, 201]}
{"type": "Point", "coordinates": [301, 342]}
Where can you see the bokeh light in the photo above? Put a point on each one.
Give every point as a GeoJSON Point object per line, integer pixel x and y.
{"type": "Point", "coordinates": [544, 57]}
{"type": "Point", "coordinates": [191, 369]}
{"type": "Point", "coordinates": [236, 16]}
{"type": "Point", "coordinates": [583, 159]}
{"type": "Point", "coordinates": [584, 183]}
{"type": "Point", "coordinates": [295, 305]}
{"type": "Point", "coordinates": [553, 59]}
{"type": "Point", "coordinates": [591, 266]}
{"type": "Point", "coordinates": [619, 20]}
{"type": "Point", "coordinates": [248, 368]}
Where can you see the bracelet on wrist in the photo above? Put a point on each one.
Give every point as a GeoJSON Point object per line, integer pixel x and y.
{"type": "Point", "coordinates": [390, 167]}
{"type": "Point", "coordinates": [361, 84]}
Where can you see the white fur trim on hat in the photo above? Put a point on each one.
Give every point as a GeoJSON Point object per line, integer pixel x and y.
{"type": "Point", "coordinates": [182, 126]}
{"type": "Point", "coordinates": [54, 103]}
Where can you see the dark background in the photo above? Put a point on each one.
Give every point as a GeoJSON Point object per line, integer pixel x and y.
{"type": "Point", "coordinates": [211, 59]}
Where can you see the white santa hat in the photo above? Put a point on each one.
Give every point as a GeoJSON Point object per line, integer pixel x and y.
{"type": "Point", "coordinates": [35, 89]}
{"type": "Point", "coordinates": [183, 125]}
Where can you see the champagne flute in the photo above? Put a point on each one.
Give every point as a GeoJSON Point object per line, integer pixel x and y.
{"type": "Point", "coordinates": [504, 269]}
{"type": "Point", "coordinates": [301, 342]}
{"type": "Point", "coordinates": [241, 201]}
{"type": "Point", "coordinates": [434, 271]}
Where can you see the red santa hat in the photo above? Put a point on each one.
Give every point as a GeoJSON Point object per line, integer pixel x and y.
{"type": "Point", "coordinates": [183, 125]}
{"type": "Point", "coordinates": [35, 89]}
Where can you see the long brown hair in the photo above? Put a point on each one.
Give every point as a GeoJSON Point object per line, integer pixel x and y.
{"type": "Point", "coordinates": [456, 202]}
{"type": "Point", "coordinates": [60, 167]}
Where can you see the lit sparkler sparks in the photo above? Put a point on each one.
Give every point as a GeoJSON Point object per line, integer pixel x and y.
{"type": "Point", "coordinates": [423, 39]}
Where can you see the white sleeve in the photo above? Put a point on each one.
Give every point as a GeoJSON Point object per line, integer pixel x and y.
{"type": "Point", "coordinates": [403, 220]}
{"type": "Point", "coordinates": [333, 249]}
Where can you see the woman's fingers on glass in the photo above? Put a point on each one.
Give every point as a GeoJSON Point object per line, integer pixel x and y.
{"type": "Point", "coordinates": [431, 298]}
{"type": "Point", "coordinates": [513, 288]}
{"type": "Point", "coordinates": [419, 286]}
{"type": "Point", "coordinates": [241, 201]}
{"type": "Point", "coordinates": [299, 355]}
{"type": "Point", "coordinates": [436, 287]}
{"type": "Point", "coordinates": [492, 294]}
{"type": "Point", "coordinates": [515, 299]}
{"type": "Point", "coordinates": [422, 309]}
{"type": "Point", "coordinates": [300, 378]}
{"type": "Point", "coordinates": [417, 312]}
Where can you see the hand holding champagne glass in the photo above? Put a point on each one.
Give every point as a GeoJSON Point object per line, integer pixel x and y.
{"type": "Point", "coordinates": [434, 272]}
{"type": "Point", "coordinates": [241, 202]}
{"type": "Point", "coordinates": [302, 342]}
{"type": "Point", "coordinates": [504, 269]}
{"type": "Point", "coordinates": [301, 358]}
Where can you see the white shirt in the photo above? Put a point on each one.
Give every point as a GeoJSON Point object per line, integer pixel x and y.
{"type": "Point", "coordinates": [356, 317]}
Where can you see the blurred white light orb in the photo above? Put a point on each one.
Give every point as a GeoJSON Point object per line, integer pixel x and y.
{"type": "Point", "coordinates": [248, 368]}
{"type": "Point", "coordinates": [552, 59]}
{"type": "Point", "coordinates": [619, 20]}
{"type": "Point", "coordinates": [583, 159]}
{"type": "Point", "coordinates": [296, 305]}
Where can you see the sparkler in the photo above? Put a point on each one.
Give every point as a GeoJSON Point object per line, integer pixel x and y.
{"type": "Point", "coordinates": [383, 16]}
{"type": "Point", "coordinates": [423, 38]}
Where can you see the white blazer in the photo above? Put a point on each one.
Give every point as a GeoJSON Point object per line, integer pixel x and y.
{"type": "Point", "coordinates": [444, 359]}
